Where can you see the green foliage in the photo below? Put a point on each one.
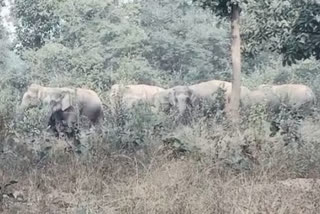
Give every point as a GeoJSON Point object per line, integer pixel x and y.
{"type": "Point", "coordinates": [37, 22]}
{"type": "Point", "coordinates": [13, 79]}
{"type": "Point", "coordinates": [221, 7]}
{"type": "Point", "coordinates": [135, 71]}
{"type": "Point", "coordinates": [184, 42]}
{"type": "Point", "coordinates": [305, 39]}
{"type": "Point", "coordinates": [130, 128]}
{"type": "Point", "coordinates": [51, 62]}
{"type": "Point", "coordinates": [257, 121]}
{"type": "Point", "coordinates": [213, 108]}
{"type": "Point", "coordinates": [33, 123]}
{"type": "Point", "coordinates": [100, 44]}
{"type": "Point", "coordinates": [290, 28]}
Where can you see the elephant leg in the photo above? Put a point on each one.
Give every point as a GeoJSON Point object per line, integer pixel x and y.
{"type": "Point", "coordinates": [274, 128]}
{"type": "Point", "coordinates": [54, 123]}
{"type": "Point", "coordinates": [60, 122]}
{"type": "Point", "coordinates": [70, 124]}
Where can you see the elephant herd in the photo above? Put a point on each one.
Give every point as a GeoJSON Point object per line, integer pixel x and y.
{"type": "Point", "coordinates": [66, 104]}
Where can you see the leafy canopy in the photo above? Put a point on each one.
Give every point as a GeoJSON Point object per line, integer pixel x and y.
{"type": "Point", "coordinates": [291, 28]}
{"type": "Point", "coordinates": [98, 43]}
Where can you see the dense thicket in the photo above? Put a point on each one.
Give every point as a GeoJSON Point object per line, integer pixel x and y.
{"type": "Point", "coordinates": [291, 28]}
{"type": "Point", "coordinates": [13, 76]}
{"type": "Point", "coordinates": [99, 43]}
{"type": "Point", "coordinates": [154, 42]}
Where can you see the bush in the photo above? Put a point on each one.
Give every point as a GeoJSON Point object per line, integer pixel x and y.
{"type": "Point", "coordinates": [130, 129]}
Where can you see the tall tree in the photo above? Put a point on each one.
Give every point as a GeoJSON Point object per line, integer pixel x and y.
{"type": "Point", "coordinates": [236, 60]}
{"type": "Point", "coordinates": [230, 9]}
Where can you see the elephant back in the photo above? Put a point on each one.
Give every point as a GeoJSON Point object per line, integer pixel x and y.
{"type": "Point", "coordinates": [206, 89]}
{"type": "Point", "coordinates": [131, 94]}
{"type": "Point", "coordinates": [295, 95]}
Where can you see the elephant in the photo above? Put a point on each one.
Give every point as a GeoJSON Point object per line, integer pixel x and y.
{"type": "Point", "coordinates": [63, 122]}
{"type": "Point", "coordinates": [293, 95]}
{"type": "Point", "coordinates": [65, 104]}
{"type": "Point", "coordinates": [262, 97]}
{"type": "Point", "coordinates": [132, 94]}
{"type": "Point", "coordinates": [178, 99]}
{"type": "Point", "coordinates": [207, 89]}
{"type": "Point", "coordinates": [295, 99]}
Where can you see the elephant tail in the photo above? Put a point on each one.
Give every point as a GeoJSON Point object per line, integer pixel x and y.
{"type": "Point", "coordinates": [101, 116]}
{"type": "Point", "coordinates": [310, 97]}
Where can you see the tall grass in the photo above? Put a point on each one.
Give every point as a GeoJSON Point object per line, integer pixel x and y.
{"type": "Point", "coordinates": [145, 163]}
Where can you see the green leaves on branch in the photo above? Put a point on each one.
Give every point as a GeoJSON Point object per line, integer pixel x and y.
{"type": "Point", "coordinates": [221, 8]}
{"type": "Point", "coordinates": [305, 39]}
{"type": "Point", "coordinates": [37, 22]}
{"type": "Point", "coordinates": [291, 28]}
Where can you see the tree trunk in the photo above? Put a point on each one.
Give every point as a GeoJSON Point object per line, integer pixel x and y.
{"type": "Point", "coordinates": [236, 63]}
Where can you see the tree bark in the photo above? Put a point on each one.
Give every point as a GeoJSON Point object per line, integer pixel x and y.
{"type": "Point", "coordinates": [236, 64]}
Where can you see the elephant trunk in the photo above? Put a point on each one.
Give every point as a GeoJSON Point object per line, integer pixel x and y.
{"type": "Point", "coordinates": [182, 105]}
{"type": "Point", "coordinates": [183, 110]}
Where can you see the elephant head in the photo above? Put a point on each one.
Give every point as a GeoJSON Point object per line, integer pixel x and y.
{"type": "Point", "coordinates": [56, 98]}
{"type": "Point", "coordinates": [31, 97]}
{"type": "Point", "coordinates": [179, 99]}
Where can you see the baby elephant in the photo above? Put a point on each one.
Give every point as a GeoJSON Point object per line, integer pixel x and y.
{"type": "Point", "coordinates": [63, 122]}
{"type": "Point", "coordinates": [65, 104]}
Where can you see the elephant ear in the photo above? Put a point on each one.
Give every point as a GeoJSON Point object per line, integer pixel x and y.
{"type": "Point", "coordinates": [55, 106]}
{"type": "Point", "coordinates": [65, 101]}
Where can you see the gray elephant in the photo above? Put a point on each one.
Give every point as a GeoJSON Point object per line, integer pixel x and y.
{"type": "Point", "coordinates": [63, 122]}
{"type": "Point", "coordinates": [291, 100]}
{"type": "Point", "coordinates": [179, 100]}
{"type": "Point", "coordinates": [294, 96]}
{"type": "Point", "coordinates": [132, 94]}
{"type": "Point", "coordinates": [209, 88]}
{"type": "Point", "coordinates": [65, 104]}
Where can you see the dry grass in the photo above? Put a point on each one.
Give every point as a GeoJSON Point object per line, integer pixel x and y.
{"type": "Point", "coordinates": [116, 183]}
